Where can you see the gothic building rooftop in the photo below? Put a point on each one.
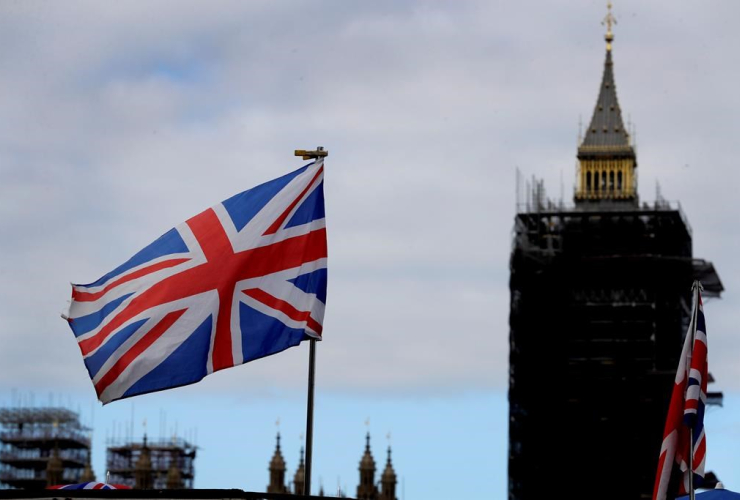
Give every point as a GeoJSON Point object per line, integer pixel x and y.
{"type": "Point", "coordinates": [369, 487]}
{"type": "Point", "coordinates": [277, 470]}
{"type": "Point", "coordinates": [277, 462]}
{"type": "Point", "coordinates": [299, 480]}
{"type": "Point", "coordinates": [388, 473]}
{"type": "Point", "coordinates": [367, 462]}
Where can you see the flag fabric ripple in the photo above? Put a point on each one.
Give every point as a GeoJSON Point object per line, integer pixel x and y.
{"type": "Point", "coordinates": [242, 280]}
{"type": "Point", "coordinates": [686, 411]}
{"type": "Point", "coordinates": [89, 486]}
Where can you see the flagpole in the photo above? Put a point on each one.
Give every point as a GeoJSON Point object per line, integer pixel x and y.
{"type": "Point", "coordinates": [309, 416]}
{"type": "Point", "coordinates": [320, 152]}
{"type": "Point", "coordinates": [695, 314]}
{"type": "Point", "coordinates": [691, 464]}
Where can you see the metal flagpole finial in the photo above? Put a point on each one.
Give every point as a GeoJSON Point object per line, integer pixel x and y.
{"type": "Point", "coordinates": [319, 152]}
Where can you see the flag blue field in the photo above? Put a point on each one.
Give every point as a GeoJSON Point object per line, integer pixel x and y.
{"type": "Point", "coordinates": [237, 282]}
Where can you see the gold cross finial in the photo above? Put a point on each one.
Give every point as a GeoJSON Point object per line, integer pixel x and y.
{"type": "Point", "coordinates": [320, 152]}
{"type": "Point", "coordinates": [608, 21]}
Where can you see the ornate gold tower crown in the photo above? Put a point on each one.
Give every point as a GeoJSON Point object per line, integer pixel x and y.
{"type": "Point", "coordinates": [606, 158]}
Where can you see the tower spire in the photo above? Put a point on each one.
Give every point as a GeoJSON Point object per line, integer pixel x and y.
{"type": "Point", "coordinates": [54, 467]}
{"type": "Point", "coordinates": [367, 490]}
{"type": "Point", "coordinates": [143, 472]}
{"type": "Point", "coordinates": [88, 475]}
{"type": "Point", "coordinates": [174, 475]}
{"type": "Point", "coordinates": [277, 470]}
{"type": "Point", "coordinates": [299, 479]}
{"type": "Point", "coordinates": [388, 480]}
{"type": "Point", "coordinates": [607, 160]}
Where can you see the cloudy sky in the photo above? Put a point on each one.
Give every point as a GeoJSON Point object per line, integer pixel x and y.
{"type": "Point", "coordinates": [120, 120]}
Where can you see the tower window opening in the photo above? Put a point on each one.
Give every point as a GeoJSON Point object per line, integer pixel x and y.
{"type": "Point", "coordinates": [619, 181]}
{"type": "Point", "coordinates": [588, 183]}
{"type": "Point", "coordinates": [611, 181]}
{"type": "Point", "coordinates": [603, 181]}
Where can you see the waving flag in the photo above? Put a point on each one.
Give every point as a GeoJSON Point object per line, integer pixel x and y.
{"type": "Point", "coordinates": [240, 281]}
{"type": "Point", "coordinates": [89, 486]}
{"type": "Point", "coordinates": [686, 412]}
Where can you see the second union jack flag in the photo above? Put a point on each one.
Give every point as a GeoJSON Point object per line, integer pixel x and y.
{"type": "Point", "coordinates": [686, 411]}
{"type": "Point", "coordinates": [240, 281]}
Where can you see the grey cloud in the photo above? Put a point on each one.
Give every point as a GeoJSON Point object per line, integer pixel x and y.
{"type": "Point", "coordinates": [123, 120]}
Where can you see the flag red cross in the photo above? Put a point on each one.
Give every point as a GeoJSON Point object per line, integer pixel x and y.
{"type": "Point", "coordinates": [222, 270]}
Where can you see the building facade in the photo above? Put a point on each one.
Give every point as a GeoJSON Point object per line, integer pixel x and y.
{"type": "Point", "coordinates": [166, 464]}
{"type": "Point", "coordinates": [41, 447]}
{"type": "Point", "coordinates": [600, 296]}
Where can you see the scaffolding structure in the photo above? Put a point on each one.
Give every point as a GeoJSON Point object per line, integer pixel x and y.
{"type": "Point", "coordinates": [122, 460]}
{"type": "Point", "coordinates": [28, 437]}
{"type": "Point", "coordinates": [600, 302]}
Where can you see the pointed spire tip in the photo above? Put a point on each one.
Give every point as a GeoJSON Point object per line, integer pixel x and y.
{"type": "Point", "coordinates": [608, 21]}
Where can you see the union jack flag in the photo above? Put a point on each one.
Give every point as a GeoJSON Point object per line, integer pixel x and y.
{"type": "Point", "coordinates": [686, 411]}
{"type": "Point", "coordinates": [89, 486]}
{"type": "Point", "coordinates": [237, 282]}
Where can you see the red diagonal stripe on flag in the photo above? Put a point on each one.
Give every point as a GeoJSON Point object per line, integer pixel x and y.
{"type": "Point", "coordinates": [279, 221]}
{"type": "Point", "coordinates": [93, 296]}
{"type": "Point", "coordinates": [143, 343]}
{"type": "Point", "coordinates": [221, 272]}
{"type": "Point", "coordinates": [284, 307]}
